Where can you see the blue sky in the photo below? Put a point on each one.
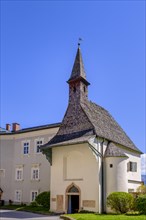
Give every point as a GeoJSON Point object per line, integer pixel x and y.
{"type": "Point", "coordinates": [38, 47]}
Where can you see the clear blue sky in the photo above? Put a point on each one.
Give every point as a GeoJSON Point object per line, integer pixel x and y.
{"type": "Point", "coordinates": [38, 47]}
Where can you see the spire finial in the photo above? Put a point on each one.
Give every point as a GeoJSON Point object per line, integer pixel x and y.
{"type": "Point", "coordinates": [79, 41]}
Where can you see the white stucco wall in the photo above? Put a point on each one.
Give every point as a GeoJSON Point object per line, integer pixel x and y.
{"type": "Point", "coordinates": [116, 176]}
{"type": "Point", "coordinates": [74, 164]}
{"type": "Point", "coordinates": [134, 178]}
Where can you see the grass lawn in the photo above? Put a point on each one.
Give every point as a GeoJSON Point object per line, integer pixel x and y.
{"type": "Point", "coordinates": [106, 217]}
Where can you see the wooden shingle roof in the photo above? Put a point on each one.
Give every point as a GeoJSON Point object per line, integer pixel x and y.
{"type": "Point", "coordinates": [98, 121]}
{"type": "Point", "coordinates": [113, 151]}
{"type": "Point", "coordinates": [106, 126]}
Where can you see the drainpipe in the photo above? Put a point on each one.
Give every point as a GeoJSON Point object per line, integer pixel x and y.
{"type": "Point", "coordinates": [100, 154]}
{"type": "Point", "coordinates": [102, 180]}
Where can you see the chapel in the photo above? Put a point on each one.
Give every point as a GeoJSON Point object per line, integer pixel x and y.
{"type": "Point", "coordinates": [90, 156]}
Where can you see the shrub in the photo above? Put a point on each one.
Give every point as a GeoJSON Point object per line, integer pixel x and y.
{"type": "Point", "coordinates": [34, 204]}
{"type": "Point", "coordinates": [141, 204]}
{"type": "Point", "coordinates": [141, 189]}
{"type": "Point", "coordinates": [43, 199]}
{"type": "Point", "coordinates": [121, 202]}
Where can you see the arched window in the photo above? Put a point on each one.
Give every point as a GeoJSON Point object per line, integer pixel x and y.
{"type": "Point", "coordinates": [73, 189]}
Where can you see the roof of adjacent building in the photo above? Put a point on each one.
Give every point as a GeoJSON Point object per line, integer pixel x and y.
{"type": "Point", "coordinates": [3, 131]}
{"type": "Point", "coordinates": [30, 129]}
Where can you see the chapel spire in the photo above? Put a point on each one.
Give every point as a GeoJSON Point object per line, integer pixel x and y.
{"type": "Point", "coordinates": [78, 85]}
{"type": "Point", "coordinates": [78, 71]}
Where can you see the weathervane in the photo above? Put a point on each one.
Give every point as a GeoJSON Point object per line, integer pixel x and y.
{"type": "Point", "coordinates": [79, 41]}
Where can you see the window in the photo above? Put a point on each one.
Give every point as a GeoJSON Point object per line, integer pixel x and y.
{"type": "Point", "coordinates": [18, 195]}
{"type": "Point", "coordinates": [35, 174]}
{"type": "Point", "coordinates": [34, 195]}
{"type": "Point", "coordinates": [19, 174]}
{"type": "Point", "coordinates": [2, 173]}
{"type": "Point", "coordinates": [130, 190]}
{"type": "Point", "coordinates": [111, 165]}
{"type": "Point", "coordinates": [132, 166]}
{"type": "Point", "coordinates": [73, 189]}
{"type": "Point", "coordinates": [74, 89]}
{"type": "Point", "coordinates": [39, 143]}
{"type": "Point", "coordinates": [26, 147]}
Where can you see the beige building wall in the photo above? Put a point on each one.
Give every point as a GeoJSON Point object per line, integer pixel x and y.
{"type": "Point", "coordinates": [6, 164]}
{"type": "Point", "coordinates": [14, 160]}
{"type": "Point", "coordinates": [74, 165]}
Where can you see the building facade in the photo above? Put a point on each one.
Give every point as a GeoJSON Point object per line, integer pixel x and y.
{"type": "Point", "coordinates": [24, 170]}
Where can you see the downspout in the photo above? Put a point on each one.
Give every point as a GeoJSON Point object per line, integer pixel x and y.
{"type": "Point", "coordinates": [102, 180]}
{"type": "Point", "coordinates": [100, 154]}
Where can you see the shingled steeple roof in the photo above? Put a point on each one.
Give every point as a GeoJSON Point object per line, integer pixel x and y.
{"type": "Point", "coordinates": [78, 71]}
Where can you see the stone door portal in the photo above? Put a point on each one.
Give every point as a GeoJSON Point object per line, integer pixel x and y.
{"type": "Point", "coordinates": [73, 199]}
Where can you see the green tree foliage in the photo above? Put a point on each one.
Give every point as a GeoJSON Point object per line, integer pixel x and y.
{"type": "Point", "coordinates": [141, 203]}
{"type": "Point", "coordinates": [43, 199]}
{"type": "Point", "coordinates": [120, 202]}
{"type": "Point", "coordinates": [142, 189]}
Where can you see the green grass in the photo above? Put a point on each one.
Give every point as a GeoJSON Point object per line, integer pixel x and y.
{"type": "Point", "coordinates": [105, 217]}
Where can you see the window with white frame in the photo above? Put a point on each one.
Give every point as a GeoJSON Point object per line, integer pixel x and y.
{"type": "Point", "coordinates": [26, 146]}
{"type": "Point", "coordinates": [18, 195]}
{"type": "Point", "coordinates": [132, 166]}
{"type": "Point", "coordinates": [19, 174]}
{"type": "Point", "coordinates": [33, 195]}
{"type": "Point", "coordinates": [38, 144]}
{"type": "Point", "coordinates": [35, 173]}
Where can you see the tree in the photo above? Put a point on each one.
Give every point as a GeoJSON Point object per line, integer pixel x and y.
{"type": "Point", "coordinates": [142, 189]}
{"type": "Point", "coordinates": [141, 204]}
{"type": "Point", "coordinates": [121, 202]}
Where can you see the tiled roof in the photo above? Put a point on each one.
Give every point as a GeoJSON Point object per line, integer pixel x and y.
{"type": "Point", "coordinates": [113, 151]}
{"type": "Point", "coordinates": [106, 126]}
{"type": "Point", "coordinates": [36, 128]}
{"type": "Point", "coordinates": [67, 140]}
{"type": "Point", "coordinates": [95, 120]}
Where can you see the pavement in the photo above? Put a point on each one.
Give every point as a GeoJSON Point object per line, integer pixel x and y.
{"type": "Point", "coordinates": [16, 215]}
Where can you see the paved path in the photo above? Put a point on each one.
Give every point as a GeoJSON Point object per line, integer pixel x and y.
{"type": "Point", "coordinates": [16, 215]}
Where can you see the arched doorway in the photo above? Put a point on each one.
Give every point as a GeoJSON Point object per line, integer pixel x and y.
{"type": "Point", "coordinates": [72, 199]}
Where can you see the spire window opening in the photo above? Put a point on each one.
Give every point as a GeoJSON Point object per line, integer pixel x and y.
{"type": "Point", "coordinates": [74, 89]}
